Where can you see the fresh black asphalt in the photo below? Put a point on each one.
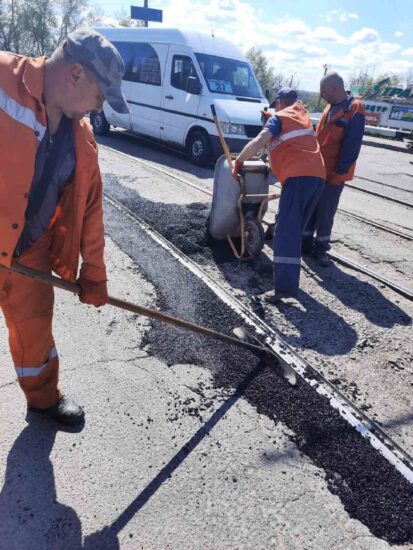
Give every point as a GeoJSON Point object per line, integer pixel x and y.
{"type": "Point", "coordinates": [371, 490]}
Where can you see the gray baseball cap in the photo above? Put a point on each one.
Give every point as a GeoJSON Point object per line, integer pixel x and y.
{"type": "Point", "coordinates": [96, 53]}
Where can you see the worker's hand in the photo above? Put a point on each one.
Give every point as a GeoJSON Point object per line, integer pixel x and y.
{"type": "Point", "coordinates": [265, 115]}
{"type": "Point", "coordinates": [335, 179]}
{"type": "Point", "coordinates": [236, 169]}
{"type": "Point", "coordinates": [93, 293]}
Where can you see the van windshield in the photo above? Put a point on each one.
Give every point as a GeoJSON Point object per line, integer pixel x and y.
{"type": "Point", "coordinates": [228, 76]}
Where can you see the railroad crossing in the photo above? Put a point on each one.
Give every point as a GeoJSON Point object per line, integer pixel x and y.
{"type": "Point", "coordinates": [190, 443]}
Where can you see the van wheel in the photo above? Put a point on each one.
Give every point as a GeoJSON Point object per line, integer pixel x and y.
{"type": "Point", "coordinates": [199, 148]}
{"type": "Point", "coordinates": [100, 125]}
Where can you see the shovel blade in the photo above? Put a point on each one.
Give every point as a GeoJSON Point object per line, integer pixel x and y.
{"type": "Point", "coordinates": [283, 370]}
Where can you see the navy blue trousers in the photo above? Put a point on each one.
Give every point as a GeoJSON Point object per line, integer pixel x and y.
{"type": "Point", "coordinates": [317, 233]}
{"type": "Point", "coordinates": [298, 200]}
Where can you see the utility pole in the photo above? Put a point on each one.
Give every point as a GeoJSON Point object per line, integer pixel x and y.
{"type": "Point", "coordinates": [325, 67]}
{"type": "Point", "coordinates": [145, 5]}
{"type": "Point", "coordinates": [145, 14]}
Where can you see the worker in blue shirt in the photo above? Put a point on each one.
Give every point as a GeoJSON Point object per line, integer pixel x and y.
{"type": "Point", "coordinates": [296, 161]}
{"type": "Point", "coordinates": [339, 133]}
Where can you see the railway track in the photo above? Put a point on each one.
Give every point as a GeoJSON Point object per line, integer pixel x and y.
{"type": "Point", "coordinates": [404, 291]}
{"type": "Point", "coordinates": [368, 429]}
{"type": "Point", "coordinates": [386, 184]}
{"type": "Point", "coordinates": [375, 194]}
{"type": "Point", "coordinates": [350, 185]}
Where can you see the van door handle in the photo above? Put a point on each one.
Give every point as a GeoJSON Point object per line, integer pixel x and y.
{"type": "Point", "coordinates": [169, 96]}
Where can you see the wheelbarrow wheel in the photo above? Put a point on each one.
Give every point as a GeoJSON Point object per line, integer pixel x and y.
{"type": "Point", "coordinates": [254, 236]}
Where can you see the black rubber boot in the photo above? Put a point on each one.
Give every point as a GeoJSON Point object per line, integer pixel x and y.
{"type": "Point", "coordinates": [269, 234]}
{"type": "Point", "coordinates": [322, 259]}
{"type": "Point", "coordinates": [278, 296]}
{"type": "Point", "coordinates": [307, 245]}
{"type": "Point", "coordinates": [65, 411]}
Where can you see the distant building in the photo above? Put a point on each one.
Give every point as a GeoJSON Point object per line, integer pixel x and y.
{"type": "Point", "coordinates": [387, 106]}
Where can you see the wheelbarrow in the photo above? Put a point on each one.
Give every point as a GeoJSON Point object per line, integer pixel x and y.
{"type": "Point", "coordinates": [238, 207]}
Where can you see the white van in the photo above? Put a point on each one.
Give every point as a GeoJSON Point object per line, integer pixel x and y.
{"type": "Point", "coordinates": [172, 78]}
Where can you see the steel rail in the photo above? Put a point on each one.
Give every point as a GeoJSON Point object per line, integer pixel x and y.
{"type": "Point", "coordinates": [374, 194]}
{"type": "Point", "coordinates": [367, 428]}
{"type": "Point", "coordinates": [400, 289]}
{"type": "Point", "coordinates": [383, 183]}
{"type": "Point", "coordinates": [377, 225]}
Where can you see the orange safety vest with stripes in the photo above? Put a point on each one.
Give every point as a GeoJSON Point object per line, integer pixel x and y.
{"type": "Point", "coordinates": [78, 220]}
{"type": "Point", "coordinates": [330, 137]}
{"type": "Point", "coordinates": [295, 151]}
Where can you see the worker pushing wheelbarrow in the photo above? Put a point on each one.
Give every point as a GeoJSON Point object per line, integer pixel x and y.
{"type": "Point", "coordinates": [297, 163]}
{"type": "Point", "coordinates": [238, 207]}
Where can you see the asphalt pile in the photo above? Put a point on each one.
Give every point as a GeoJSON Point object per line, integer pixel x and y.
{"type": "Point", "coordinates": [371, 490]}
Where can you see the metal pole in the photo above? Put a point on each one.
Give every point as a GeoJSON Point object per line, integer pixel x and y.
{"type": "Point", "coordinates": [145, 5]}
{"type": "Point", "coordinates": [325, 67]}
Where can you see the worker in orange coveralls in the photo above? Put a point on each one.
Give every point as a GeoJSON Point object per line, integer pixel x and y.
{"type": "Point", "coordinates": [296, 161]}
{"type": "Point", "coordinates": [340, 134]}
{"type": "Point", "coordinates": [51, 199]}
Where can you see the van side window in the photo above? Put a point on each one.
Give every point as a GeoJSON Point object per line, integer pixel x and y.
{"type": "Point", "coordinates": [141, 62]}
{"type": "Point", "coordinates": [182, 69]}
{"type": "Point", "coordinates": [127, 53]}
{"type": "Point", "coordinates": [146, 67]}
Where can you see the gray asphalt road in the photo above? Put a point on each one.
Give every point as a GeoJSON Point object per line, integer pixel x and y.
{"type": "Point", "coordinates": [189, 444]}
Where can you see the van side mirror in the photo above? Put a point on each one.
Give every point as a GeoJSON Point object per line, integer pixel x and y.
{"type": "Point", "coordinates": [267, 94]}
{"type": "Point", "coordinates": [193, 86]}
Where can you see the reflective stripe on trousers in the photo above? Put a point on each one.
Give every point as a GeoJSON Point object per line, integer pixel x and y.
{"type": "Point", "coordinates": [322, 220]}
{"type": "Point", "coordinates": [27, 307]}
{"type": "Point", "coordinates": [297, 202]}
{"type": "Point", "coordinates": [24, 372]}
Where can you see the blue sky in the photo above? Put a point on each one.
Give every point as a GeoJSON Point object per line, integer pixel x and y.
{"type": "Point", "coordinates": [299, 37]}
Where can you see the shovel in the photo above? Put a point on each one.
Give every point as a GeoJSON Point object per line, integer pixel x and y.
{"type": "Point", "coordinates": [243, 338]}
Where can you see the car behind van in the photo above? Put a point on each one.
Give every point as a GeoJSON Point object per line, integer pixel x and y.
{"type": "Point", "coordinates": [172, 78]}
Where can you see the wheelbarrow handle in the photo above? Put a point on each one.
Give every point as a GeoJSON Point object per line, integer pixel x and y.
{"type": "Point", "coordinates": [221, 137]}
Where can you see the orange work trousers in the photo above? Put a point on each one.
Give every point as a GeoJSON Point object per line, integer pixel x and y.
{"type": "Point", "coordinates": [27, 307]}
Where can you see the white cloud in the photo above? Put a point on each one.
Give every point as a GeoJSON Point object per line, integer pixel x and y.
{"type": "Point", "coordinates": [339, 15]}
{"type": "Point", "coordinates": [399, 33]}
{"type": "Point", "coordinates": [328, 34]}
{"type": "Point", "coordinates": [292, 45]}
{"type": "Point", "coordinates": [364, 36]}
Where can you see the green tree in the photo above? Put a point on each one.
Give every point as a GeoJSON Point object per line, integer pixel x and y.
{"type": "Point", "coordinates": [9, 14]}
{"type": "Point", "coordinates": [266, 76]}
{"type": "Point", "coordinates": [36, 27]}
{"type": "Point", "coordinates": [365, 81]}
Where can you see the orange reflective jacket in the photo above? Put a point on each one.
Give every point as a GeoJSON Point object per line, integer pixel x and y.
{"type": "Point", "coordinates": [77, 224]}
{"type": "Point", "coordinates": [330, 136]}
{"type": "Point", "coordinates": [295, 151]}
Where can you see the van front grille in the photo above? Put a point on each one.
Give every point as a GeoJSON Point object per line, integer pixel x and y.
{"type": "Point", "coordinates": [252, 131]}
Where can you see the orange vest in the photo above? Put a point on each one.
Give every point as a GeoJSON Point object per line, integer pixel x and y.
{"type": "Point", "coordinates": [77, 224]}
{"type": "Point", "coordinates": [295, 151]}
{"type": "Point", "coordinates": [330, 137]}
